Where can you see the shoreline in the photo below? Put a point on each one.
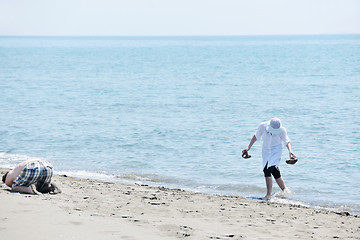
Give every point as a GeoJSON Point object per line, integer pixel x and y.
{"type": "Point", "coordinates": [278, 197]}
{"type": "Point", "coordinates": [93, 209]}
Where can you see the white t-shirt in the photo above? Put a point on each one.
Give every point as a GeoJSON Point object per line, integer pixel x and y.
{"type": "Point", "coordinates": [271, 147]}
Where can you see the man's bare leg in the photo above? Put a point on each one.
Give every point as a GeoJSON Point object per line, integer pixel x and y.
{"type": "Point", "coordinates": [281, 183]}
{"type": "Point", "coordinates": [268, 181]}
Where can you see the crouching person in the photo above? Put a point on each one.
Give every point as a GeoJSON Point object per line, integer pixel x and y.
{"type": "Point", "coordinates": [32, 177]}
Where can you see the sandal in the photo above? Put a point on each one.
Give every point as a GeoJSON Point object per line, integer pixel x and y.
{"type": "Point", "coordinates": [246, 155]}
{"type": "Point", "coordinates": [291, 161]}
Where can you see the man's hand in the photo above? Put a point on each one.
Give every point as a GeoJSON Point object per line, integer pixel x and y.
{"type": "Point", "coordinates": [245, 150]}
{"type": "Point", "coordinates": [245, 153]}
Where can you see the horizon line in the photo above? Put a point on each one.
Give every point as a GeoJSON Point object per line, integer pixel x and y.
{"type": "Point", "coordinates": [225, 35]}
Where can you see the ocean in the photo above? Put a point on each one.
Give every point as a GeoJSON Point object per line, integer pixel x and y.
{"type": "Point", "coordinates": [177, 111]}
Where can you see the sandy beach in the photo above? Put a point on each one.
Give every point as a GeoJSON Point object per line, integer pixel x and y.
{"type": "Point", "coordinates": [90, 209]}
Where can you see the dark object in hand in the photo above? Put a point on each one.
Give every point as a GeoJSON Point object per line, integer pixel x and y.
{"type": "Point", "coordinates": [291, 161]}
{"type": "Point", "coordinates": [246, 155]}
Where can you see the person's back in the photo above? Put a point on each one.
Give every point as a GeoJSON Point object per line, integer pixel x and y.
{"type": "Point", "coordinates": [13, 174]}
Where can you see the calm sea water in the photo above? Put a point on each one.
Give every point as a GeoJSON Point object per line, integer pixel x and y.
{"type": "Point", "coordinates": [177, 112]}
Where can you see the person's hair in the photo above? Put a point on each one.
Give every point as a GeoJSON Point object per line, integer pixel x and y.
{"type": "Point", "coordinates": [43, 187]}
{"type": "Point", "coordinates": [4, 177]}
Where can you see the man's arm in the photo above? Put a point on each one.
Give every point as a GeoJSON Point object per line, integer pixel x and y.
{"type": "Point", "coordinates": [253, 140]}
{"type": "Point", "coordinates": [23, 189]}
{"type": "Point", "coordinates": [291, 154]}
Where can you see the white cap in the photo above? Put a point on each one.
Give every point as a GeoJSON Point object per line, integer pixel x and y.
{"type": "Point", "coordinates": [274, 126]}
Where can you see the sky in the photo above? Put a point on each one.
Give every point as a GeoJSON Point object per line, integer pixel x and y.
{"type": "Point", "coordinates": [178, 17]}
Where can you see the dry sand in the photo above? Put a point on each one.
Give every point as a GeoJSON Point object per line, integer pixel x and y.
{"type": "Point", "coordinates": [89, 209]}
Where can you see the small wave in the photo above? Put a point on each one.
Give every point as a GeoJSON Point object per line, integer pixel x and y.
{"type": "Point", "coordinates": [9, 160]}
{"type": "Point", "coordinates": [338, 208]}
{"type": "Point", "coordinates": [88, 175]}
{"type": "Point", "coordinates": [284, 198]}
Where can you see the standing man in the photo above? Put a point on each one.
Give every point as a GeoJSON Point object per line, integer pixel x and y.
{"type": "Point", "coordinates": [272, 134]}
{"type": "Point", "coordinates": [31, 176]}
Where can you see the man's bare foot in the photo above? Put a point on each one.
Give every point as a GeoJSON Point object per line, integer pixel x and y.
{"type": "Point", "coordinates": [267, 197]}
